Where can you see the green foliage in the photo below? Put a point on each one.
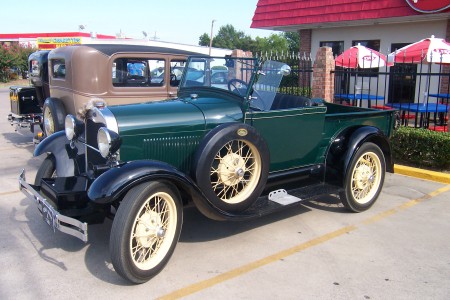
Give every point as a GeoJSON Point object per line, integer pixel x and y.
{"type": "Point", "coordinates": [204, 40]}
{"type": "Point", "coordinates": [22, 57]}
{"type": "Point", "coordinates": [7, 58]}
{"type": "Point", "coordinates": [422, 148]}
{"type": "Point", "coordinates": [273, 43]}
{"type": "Point", "coordinates": [230, 38]}
{"type": "Point", "coordinates": [293, 39]}
{"type": "Point", "coordinates": [13, 57]}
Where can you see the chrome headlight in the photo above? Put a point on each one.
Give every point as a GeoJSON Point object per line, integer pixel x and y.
{"type": "Point", "coordinates": [108, 142]}
{"type": "Point", "coordinates": [72, 127]}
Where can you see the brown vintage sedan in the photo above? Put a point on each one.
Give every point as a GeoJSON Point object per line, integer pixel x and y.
{"type": "Point", "coordinates": [81, 76]}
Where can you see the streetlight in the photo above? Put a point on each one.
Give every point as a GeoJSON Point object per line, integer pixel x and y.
{"type": "Point", "coordinates": [211, 36]}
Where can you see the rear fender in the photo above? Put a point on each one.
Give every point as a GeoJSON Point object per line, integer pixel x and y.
{"type": "Point", "coordinates": [116, 182]}
{"type": "Point", "coordinates": [345, 145]}
{"type": "Point", "coordinates": [59, 146]}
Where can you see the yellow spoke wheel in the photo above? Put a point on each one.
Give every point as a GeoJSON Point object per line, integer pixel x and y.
{"type": "Point", "coordinates": [364, 178]}
{"type": "Point", "coordinates": [145, 230]}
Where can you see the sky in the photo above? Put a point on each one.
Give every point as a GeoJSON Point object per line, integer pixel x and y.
{"type": "Point", "coordinates": [175, 21]}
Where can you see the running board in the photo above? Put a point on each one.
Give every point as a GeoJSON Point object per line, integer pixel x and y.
{"type": "Point", "coordinates": [282, 199]}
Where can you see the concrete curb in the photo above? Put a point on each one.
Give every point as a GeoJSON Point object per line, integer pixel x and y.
{"type": "Point", "coordinates": [422, 174]}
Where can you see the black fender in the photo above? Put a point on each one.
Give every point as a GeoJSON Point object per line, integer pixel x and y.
{"type": "Point", "coordinates": [344, 146]}
{"type": "Point", "coordinates": [113, 184]}
{"type": "Point", "coordinates": [59, 146]}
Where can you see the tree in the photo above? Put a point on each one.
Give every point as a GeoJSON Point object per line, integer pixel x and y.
{"type": "Point", "coordinates": [229, 38]}
{"type": "Point", "coordinates": [293, 39]}
{"type": "Point", "coordinates": [204, 40]}
{"type": "Point", "coordinates": [11, 57]}
{"type": "Point", "coordinates": [21, 61]}
{"type": "Point", "coordinates": [6, 62]}
{"type": "Point", "coordinates": [275, 43]}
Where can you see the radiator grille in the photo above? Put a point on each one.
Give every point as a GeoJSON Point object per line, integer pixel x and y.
{"type": "Point", "coordinates": [93, 157]}
{"type": "Point", "coordinates": [177, 151]}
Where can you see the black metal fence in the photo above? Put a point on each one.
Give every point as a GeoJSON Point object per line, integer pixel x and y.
{"type": "Point", "coordinates": [419, 91]}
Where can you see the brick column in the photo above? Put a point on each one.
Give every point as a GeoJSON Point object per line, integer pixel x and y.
{"type": "Point", "coordinates": [323, 79]}
{"type": "Point", "coordinates": [305, 41]}
{"type": "Point", "coordinates": [304, 78]}
{"type": "Point", "coordinates": [233, 71]}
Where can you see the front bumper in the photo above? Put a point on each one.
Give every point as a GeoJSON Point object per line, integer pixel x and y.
{"type": "Point", "coordinates": [52, 217]}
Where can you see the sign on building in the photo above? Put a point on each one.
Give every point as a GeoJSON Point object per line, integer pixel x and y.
{"type": "Point", "coordinates": [55, 42]}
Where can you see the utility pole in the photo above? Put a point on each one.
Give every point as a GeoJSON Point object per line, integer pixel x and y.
{"type": "Point", "coordinates": [211, 36]}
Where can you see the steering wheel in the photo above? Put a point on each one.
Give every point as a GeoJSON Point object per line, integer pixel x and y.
{"type": "Point", "coordinates": [256, 97]}
{"type": "Point", "coordinates": [233, 86]}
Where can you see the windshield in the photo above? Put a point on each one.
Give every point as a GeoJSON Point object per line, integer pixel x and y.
{"type": "Point", "coordinates": [236, 75]}
{"type": "Point", "coordinates": [232, 74]}
{"type": "Point", "coordinates": [267, 84]}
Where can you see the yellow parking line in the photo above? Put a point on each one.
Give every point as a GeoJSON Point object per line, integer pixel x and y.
{"type": "Point", "coordinates": [196, 287]}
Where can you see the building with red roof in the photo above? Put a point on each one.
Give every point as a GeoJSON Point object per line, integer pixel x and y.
{"type": "Point", "coordinates": [389, 21]}
{"type": "Point", "coordinates": [383, 25]}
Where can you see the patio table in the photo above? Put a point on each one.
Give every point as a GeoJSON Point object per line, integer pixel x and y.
{"type": "Point", "coordinates": [442, 96]}
{"type": "Point", "coordinates": [422, 109]}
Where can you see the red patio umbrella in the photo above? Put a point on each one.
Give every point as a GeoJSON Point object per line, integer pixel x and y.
{"type": "Point", "coordinates": [429, 50]}
{"type": "Point", "coordinates": [360, 57]}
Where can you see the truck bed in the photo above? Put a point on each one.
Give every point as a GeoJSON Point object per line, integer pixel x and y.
{"type": "Point", "coordinates": [339, 117]}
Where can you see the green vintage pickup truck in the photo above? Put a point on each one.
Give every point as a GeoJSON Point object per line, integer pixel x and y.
{"type": "Point", "coordinates": [231, 144]}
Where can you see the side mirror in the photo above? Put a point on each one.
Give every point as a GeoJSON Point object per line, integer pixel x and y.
{"type": "Point", "coordinates": [285, 70]}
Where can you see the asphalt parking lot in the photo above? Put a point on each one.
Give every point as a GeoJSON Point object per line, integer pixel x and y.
{"type": "Point", "coordinates": [399, 249]}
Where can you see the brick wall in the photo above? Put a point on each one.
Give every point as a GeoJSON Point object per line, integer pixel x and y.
{"type": "Point", "coordinates": [304, 51]}
{"type": "Point", "coordinates": [323, 79]}
{"type": "Point", "coordinates": [305, 41]}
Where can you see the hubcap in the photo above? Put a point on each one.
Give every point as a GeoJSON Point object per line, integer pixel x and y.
{"type": "Point", "coordinates": [235, 171]}
{"type": "Point", "coordinates": [366, 177]}
{"type": "Point", "coordinates": [231, 169]}
{"type": "Point", "coordinates": [149, 229]}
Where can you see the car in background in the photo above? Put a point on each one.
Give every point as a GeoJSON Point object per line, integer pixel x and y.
{"type": "Point", "coordinates": [69, 80]}
{"type": "Point", "coordinates": [27, 101]}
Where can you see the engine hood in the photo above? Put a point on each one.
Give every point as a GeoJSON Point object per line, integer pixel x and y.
{"type": "Point", "coordinates": [175, 115]}
{"type": "Point", "coordinates": [157, 117]}
{"type": "Point", "coordinates": [171, 130]}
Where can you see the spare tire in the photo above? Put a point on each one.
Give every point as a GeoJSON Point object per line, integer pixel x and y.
{"type": "Point", "coordinates": [53, 116]}
{"type": "Point", "coordinates": [231, 166]}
